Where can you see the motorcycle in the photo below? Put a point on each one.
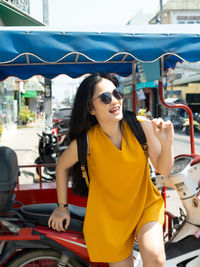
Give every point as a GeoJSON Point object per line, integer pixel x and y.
{"type": "Point", "coordinates": [25, 239]}
{"type": "Point", "coordinates": [50, 147]}
{"type": "Point", "coordinates": [61, 133]}
{"type": "Point", "coordinates": [196, 123]}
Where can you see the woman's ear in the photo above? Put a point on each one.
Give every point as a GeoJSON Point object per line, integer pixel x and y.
{"type": "Point", "coordinates": [91, 112]}
{"type": "Point", "coordinates": [90, 109]}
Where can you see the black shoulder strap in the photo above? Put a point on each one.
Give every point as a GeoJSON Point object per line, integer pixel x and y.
{"type": "Point", "coordinates": [136, 128]}
{"type": "Point", "coordinates": [82, 155]}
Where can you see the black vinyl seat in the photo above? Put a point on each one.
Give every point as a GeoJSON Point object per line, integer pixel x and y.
{"type": "Point", "coordinates": [39, 214]}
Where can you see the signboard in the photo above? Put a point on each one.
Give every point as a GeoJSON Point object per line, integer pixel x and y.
{"type": "Point", "coordinates": [30, 94]}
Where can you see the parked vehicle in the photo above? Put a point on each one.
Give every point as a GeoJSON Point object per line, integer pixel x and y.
{"type": "Point", "coordinates": [61, 117]}
{"type": "Point", "coordinates": [49, 149]}
{"type": "Point", "coordinates": [177, 122]}
{"type": "Point", "coordinates": [196, 124]}
{"type": "Point", "coordinates": [62, 134]}
{"type": "Point", "coordinates": [25, 239]}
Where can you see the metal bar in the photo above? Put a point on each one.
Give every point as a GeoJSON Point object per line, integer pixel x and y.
{"type": "Point", "coordinates": [188, 110]}
{"type": "Point", "coordinates": [62, 63]}
{"type": "Point", "coordinates": [40, 174]}
{"type": "Point", "coordinates": [76, 59]}
{"type": "Point", "coordinates": [27, 59]}
{"type": "Point", "coordinates": [134, 84]}
{"type": "Point", "coordinates": [163, 193]}
{"type": "Point", "coordinates": [39, 166]}
{"type": "Point", "coordinates": [19, 237]}
{"type": "Point", "coordinates": [124, 57]}
{"type": "Point", "coordinates": [170, 217]}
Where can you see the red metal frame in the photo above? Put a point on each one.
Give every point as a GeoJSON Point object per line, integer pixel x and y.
{"type": "Point", "coordinates": [44, 192]}
{"type": "Point", "coordinates": [134, 97]}
{"type": "Point", "coordinates": [24, 234]}
{"type": "Point", "coordinates": [188, 111]}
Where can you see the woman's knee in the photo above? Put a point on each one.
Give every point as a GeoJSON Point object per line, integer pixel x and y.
{"type": "Point", "coordinates": [151, 245]}
{"type": "Point", "coordinates": [128, 262]}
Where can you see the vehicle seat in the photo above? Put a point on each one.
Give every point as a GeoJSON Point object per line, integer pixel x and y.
{"type": "Point", "coordinates": [39, 214]}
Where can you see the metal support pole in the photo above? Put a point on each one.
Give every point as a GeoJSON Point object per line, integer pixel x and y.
{"type": "Point", "coordinates": [46, 11]}
{"type": "Point", "coordinates": [48, 105]}
{"type": "Point", "coordinates": [161, 11]}
{"type": "Point", "coordinates": [134, 84]}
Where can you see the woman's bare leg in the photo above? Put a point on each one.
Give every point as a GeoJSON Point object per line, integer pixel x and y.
{"type": "Point", "coordinates": [128, 262]}
{"type": "Point", "coordinates": [151, 245]}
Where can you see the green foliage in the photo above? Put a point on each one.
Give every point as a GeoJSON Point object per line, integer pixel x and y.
{"type": "Point", "coordinates": [32, 116]}
{"type": "Point", "coordinates": [1, 128]}
{"type": "Point", "coordinates": [24, 114]}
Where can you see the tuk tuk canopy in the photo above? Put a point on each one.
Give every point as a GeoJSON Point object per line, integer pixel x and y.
{"type": "Point", "coordinates": [26, 51]}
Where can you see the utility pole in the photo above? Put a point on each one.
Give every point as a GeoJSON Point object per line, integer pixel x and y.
{"type": "Point", "coordinates": [161, 10]}
{"type": "Point", "coordinates": [47, 83]}
{"type": "Point", "coordinates": [46, 11]}
{"type": "Point", "coordinates": [48, 103]}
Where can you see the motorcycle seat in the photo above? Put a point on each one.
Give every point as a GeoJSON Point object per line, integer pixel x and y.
{"type": "Point", "coordinates": [39, 214]}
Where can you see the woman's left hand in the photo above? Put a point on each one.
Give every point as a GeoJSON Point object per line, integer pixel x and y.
{"type": "Point", "coordinates": [163, 130]}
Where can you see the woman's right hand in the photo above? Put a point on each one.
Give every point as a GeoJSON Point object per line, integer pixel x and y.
{"type": "Point", "coordinates": [57, 217]}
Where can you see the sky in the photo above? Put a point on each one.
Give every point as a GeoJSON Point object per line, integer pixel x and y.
{"type": "Point", "coordinates": [66, 13]}
{"type": "Point", "coordinates": [93, 12]}
{"type": "Point", "coordinates": [97, 12]}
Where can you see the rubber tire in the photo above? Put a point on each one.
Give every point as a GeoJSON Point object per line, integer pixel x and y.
{"type": "Point", "coordinates": [26, 256]}
{"type": "Point", "coordinates": [38, 161]}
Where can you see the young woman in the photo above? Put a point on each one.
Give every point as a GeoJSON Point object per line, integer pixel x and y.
{"type": "Point", "coordinates": [122, 202]}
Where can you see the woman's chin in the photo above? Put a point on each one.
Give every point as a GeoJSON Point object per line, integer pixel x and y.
{"type": "Point", "coordinates": [117, 116]}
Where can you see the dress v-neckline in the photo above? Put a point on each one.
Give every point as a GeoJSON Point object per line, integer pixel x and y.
{"type": "Point", "coordinates": [119, 149]}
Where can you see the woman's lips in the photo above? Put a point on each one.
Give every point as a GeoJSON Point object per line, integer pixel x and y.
{"type": "Point", "coordinates": [115, 109]}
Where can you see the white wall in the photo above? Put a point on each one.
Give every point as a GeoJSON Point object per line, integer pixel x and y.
{"type": "Point", "coordinates": [36, 9]}
{"type": "Point", "coordinates": [183, 13]}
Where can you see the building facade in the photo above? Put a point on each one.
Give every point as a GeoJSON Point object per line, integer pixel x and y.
{"type": "Point", "coordinates": [13, 13]}
{"type": "Point", "coordinates": [178, 81]}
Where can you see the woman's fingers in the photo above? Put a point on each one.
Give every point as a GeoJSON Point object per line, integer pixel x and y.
{"type": "Point", "coordinates": [49, 222]}
{"type": "Point", "coordinates": [163, 129]}
{"type": "Point", "coordinates": [160, 123]}
{"type": "Point", "coordinates": [197, 234]}
{"type": "Point", "coordinates": [67, 223]}
{"type": "Point", "coordinates": [57, 223]}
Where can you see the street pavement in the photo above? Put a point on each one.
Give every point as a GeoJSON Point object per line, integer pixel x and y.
{"type": "Point", "coordinates": [182, 143]}
{"type": "Point", "coordinates": [25, 143]}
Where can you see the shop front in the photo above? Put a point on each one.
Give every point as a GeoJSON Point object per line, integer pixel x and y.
{"type": "Point", "coordinates": [8, 106]}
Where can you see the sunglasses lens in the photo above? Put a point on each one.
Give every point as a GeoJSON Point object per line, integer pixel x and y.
{"type": "Point", "coordinates": [117, 94]}
{"type": "Point", "coordinates": [106, 98]}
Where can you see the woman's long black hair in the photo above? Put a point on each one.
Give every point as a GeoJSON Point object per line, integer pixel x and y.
{"type": "Point", "coordinates": [81, 120]}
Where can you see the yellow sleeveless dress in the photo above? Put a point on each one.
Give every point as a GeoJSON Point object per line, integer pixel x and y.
{"type": "Point", "coordinates": [121, 196]}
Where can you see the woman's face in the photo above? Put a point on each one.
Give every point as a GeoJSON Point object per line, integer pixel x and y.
{"type": "Point", "coordinates": [106, 112]}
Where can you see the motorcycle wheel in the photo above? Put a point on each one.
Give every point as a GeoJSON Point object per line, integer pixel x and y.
{"type": "Point", "coordinates": [41, 257]}
{"type": "Point", "coordinates": [38, 161]}
{"type": "Point", "coordinates": [45, 177]}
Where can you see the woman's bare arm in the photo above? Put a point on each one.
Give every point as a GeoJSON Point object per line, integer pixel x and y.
{"type": "Point", "coordinates": [65, 162]}
{"type": "Point", "coordinates": [68, 158]}
{"type": "Point", "coordinates": [159, 136]}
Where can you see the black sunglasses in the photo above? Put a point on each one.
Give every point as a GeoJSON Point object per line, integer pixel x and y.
{"type": "Point", "coordinates": [106, 97]}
